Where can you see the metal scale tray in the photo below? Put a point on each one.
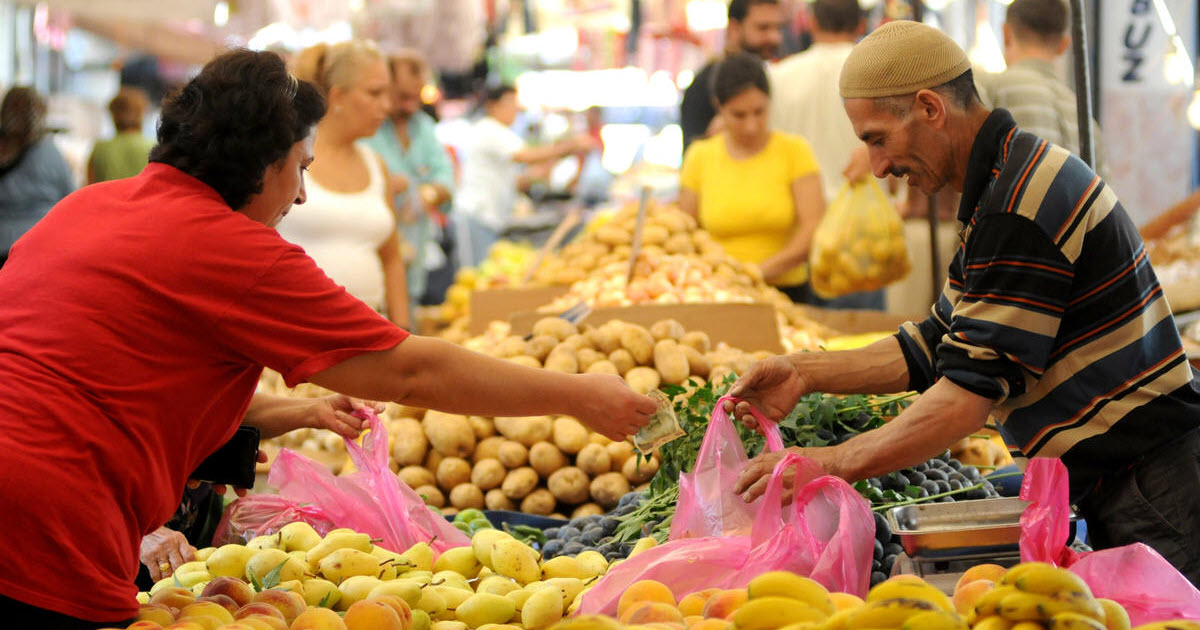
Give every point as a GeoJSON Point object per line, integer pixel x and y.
{"type": "Point", "coordinates": [961, 528]}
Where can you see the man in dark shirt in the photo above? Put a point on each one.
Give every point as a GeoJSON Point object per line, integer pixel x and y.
{"type": "Point", "coordinates": [1052, 320]}
{"type": "Point", "coordinates": [754, 27]}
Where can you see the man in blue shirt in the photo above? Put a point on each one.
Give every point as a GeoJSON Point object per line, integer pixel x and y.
{"type": "Point", "coordinates": [417, 163]}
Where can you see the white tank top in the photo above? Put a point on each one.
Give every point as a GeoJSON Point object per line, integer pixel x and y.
{"type": "Point", "coordinates": [342, 232]}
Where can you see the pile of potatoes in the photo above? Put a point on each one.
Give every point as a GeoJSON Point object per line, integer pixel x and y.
{"type": "Point", "coordinates": [540, 465]}
{"type": "Point", "coordinates": [547, 465]}
{"type": "Point", "coordinates": [608, 239]}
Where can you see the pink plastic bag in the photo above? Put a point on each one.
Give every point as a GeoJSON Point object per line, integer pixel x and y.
{"type": "Point", "coordinates": [262, 514]}
{"type": "Point", "coordinates": [828, 536]}
{"type": "Point", "coordinates": [372, 500]}
{"type": "Point", "coordinates": [707, 506]}
{"type": "Point", "coordinates": [1135, 576]}
{"type": "Point", "coordinates": [827, 533]}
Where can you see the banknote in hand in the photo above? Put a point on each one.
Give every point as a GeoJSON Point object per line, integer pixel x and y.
{"type": "Point", "coordinates": [662, 428]}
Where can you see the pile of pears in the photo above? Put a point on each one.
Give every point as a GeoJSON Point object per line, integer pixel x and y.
{"type": "Point", "coordinates": [296, 579]}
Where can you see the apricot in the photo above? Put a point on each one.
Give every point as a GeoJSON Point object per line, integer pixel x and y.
{"type": "Point", "coordinates": [693, 603]}
{"type": "Point", "coordinates": [263, 622]}
{"type": "Point", "coordinates": [157, 613]}
{"type": "Point", "coordinates": [185, 625]}
{"type": "Point", "coordinates": [173, 597]}
{"type": "Point", "coordinates": [144, 624]}
{"type": "Point", "coordinates": [966, 595]}
{"type": "Point", "coordinates": [288, 603]}
{"type": "Point", "coordinates": [652, 612]}
{"type": "Point", "coordinates": [403, 610]}
{"type": "Point", "coordinates": [318, 619]}
{"type": "Point", "coordinates": [712, 624]}
{"type": "Point", "coordinates": [722, 604]}
{"type": "Point", "coordinates": [644, 591]}
{"type": "Point", "coordinates": [372, 614]}
{"type": "Point", "coordinates": [258, 608]}
{"type": "Point", "coordinates": [206, 609]}
{"type": "Point", "coordinates": [845, 601]}
{"type": "Point", "coordinates": [232, 587]}
{"type": "Point", "coordinates": [224, 601]}
{"type": "Point", "coordinates": [990, 572]}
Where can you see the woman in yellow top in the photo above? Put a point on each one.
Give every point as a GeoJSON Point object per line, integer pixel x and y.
{"type": "Point", "coordinates": [757, 191]}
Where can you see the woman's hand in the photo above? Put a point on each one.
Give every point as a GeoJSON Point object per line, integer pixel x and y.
{"type": "Point", "coordinates": [610, 408]}
{"type": "Point", "coordinates": [163, 551]}
{"type": "Point", "coordinates": [336, 414]}
{"type": "Point", "coordinates": [773, 386]}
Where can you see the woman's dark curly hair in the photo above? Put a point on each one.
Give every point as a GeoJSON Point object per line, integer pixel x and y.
{"type": "Point", "coordinates": [241, 114]}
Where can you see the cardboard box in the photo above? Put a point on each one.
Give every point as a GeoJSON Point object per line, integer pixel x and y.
{"type": "Point", "coordinates": [852, 322]}
{"type": "Point", "coordinates": [749, 327]}
{"type": "Point", "coordinates": [491, 305]}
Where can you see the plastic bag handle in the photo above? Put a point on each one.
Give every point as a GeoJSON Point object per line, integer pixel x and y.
{"type": "Point", "coordinates": [369, 456]}
{"type": "Point", "coordinates": [767, 427]}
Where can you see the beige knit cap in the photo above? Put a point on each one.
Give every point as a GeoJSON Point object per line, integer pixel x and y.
{"type": "Point", "coordinates": [901, 57]}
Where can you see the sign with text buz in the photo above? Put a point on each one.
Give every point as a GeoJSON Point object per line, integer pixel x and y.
{"type": "Point", "coordinates": [1148, 146]}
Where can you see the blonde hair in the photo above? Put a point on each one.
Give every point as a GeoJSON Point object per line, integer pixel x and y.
{"type": "Point", "coordinates": [335, 65]}
{"type": "Point", "coordinates": [411, 60]}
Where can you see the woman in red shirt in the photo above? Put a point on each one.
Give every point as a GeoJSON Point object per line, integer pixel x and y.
{"type": "Point", "coordinates": [138, 315]}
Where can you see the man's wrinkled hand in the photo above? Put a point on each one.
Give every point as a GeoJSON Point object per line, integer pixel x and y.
{"type": "Point", "coordinates": [773, 386]}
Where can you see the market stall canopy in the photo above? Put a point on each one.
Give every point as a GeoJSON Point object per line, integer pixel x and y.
{"type": "Point", "coordinates": [450, 32]}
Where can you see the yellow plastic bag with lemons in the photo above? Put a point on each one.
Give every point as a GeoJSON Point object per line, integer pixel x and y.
{"type": "Point", "coordinates": [859, 244]}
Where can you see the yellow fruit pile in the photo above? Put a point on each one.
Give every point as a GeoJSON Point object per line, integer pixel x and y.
{"type": "Point", "coordinates": [297, 580]}
{"type": "Point", "coordinates": [505, 266]}
{"type": "Point", "coordinates": [1041, 596]}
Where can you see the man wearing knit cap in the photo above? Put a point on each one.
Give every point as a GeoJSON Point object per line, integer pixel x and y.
{"type": "Point", "coordinates": [1052, 318]}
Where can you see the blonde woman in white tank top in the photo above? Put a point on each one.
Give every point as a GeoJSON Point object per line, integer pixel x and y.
{"type": "Point", "coordinates": [348, 225]}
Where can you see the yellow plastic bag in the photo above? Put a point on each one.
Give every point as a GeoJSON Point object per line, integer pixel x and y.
{"type": "Point", "coordinates": [859, 244]}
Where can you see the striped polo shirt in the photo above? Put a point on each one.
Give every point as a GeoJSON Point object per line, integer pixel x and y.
{"type": "Point", "coordinates": [1052, 310]}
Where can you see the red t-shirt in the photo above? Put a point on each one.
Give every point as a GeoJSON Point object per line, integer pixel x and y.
{"type": "Point", "coordinates": [136, 318]}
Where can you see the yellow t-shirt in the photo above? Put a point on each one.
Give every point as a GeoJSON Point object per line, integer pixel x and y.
{"type": "Point", "coordinates": [747, 204]}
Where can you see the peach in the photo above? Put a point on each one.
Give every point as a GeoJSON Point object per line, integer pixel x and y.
{"type": "Point", "coordinates": [223, 601]}
{"type": "Point", "coordinates": [845, 601]}
{"type": "Point", "coordinates": [173, 597]}
{"type": "Point", "coordinates": [289, 603]}
{"type": "Point", "coordinates": [644, 591]}
{"type": "Point", "coordinates": [207, 622]}
{"type": "Point", "coordinates": [693, 603]}
{"type": "Point", "coordinates": [318, 619]}
{"type": "Point", "coordinates": [144, 624]}
{"type": "Point", "coordinates": [206, 609]}
{"type": "Point", "coordinates": [185, 625]}
{"type": "Point", "coordinates": [258, 608]}
{"type": "Point", "coordinates": [232, 587]}
{"type": "Point", "coordinates": [712, 624]}
{"type": "Point", "coordinates": [986, 571]}
{"type": "Point", "coordinates": [157, 613]}
{"type": "Point", "coordinates": [264, 622]}
{"type": "Point", "coordinates": [722, 604]}
{"type": "Point", "coordinates": [403, 610]}
{"type": "Point", "coordinates": [966, 595]}
{"type": "Point", "coordinates": [652, 613]}
{"type": "Point", "coordinates": [372, 614]}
